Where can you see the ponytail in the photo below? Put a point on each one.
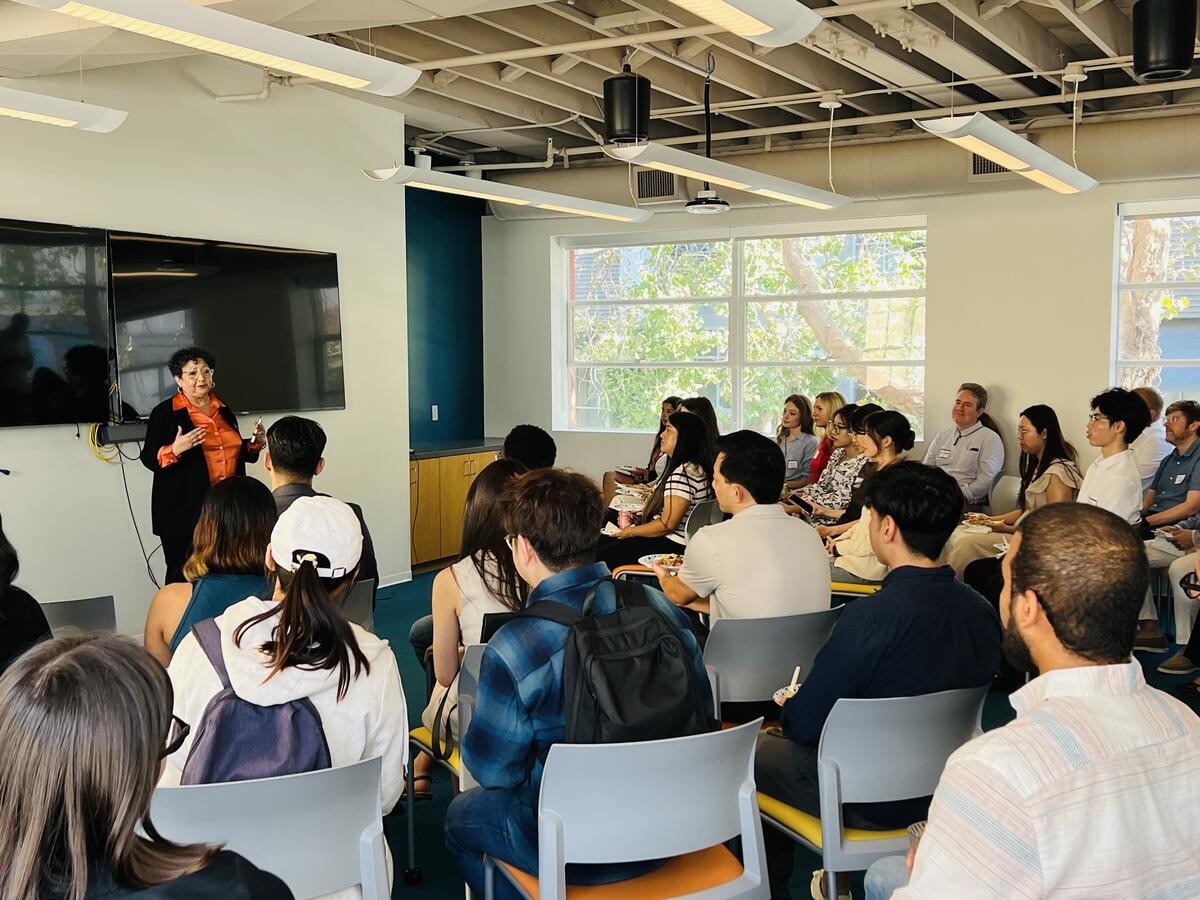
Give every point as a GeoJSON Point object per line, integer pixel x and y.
{"type": "Point", "coordinates": [313, 632]}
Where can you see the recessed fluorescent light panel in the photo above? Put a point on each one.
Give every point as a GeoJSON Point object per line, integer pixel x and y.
{"type": "Point", "coordinates": [498, 192]}
{"type": "Point", "coordinates": [714, 171]}
{"type": "Point", "coordinates": [56, 111]}
{"type": "Point", "coordinates": [991, 140]}
{"type": "Point", "coordinates": [772, 23]}
{"type": "Point", "coordinates": [212, 31]}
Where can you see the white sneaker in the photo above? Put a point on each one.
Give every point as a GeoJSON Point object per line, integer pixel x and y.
{"type": "Point", "coordinates": [817, 887]}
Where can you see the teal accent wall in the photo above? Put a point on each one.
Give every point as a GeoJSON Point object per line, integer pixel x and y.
{"type": "Point", "coordinates": [445, 316]}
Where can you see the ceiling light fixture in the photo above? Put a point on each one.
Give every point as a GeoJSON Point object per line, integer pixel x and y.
{"type": "Point", "coordinates": [771, 23]}
{"type": "Point", "coordinates": [991, 140]}
{"type": "Point", "coordinates": [424, 177]}
{"type": "Point", "coordinates": [48, 110]}
{"type": "Point", "coordinates": [212, 31]}
{"type": "Point", "coordinates": [691, 165]}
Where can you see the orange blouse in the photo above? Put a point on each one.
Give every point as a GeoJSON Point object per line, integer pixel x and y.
{"type": "Point", "coordinates": [222, 444]}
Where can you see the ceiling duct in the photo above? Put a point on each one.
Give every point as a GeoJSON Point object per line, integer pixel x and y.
{"type": "Point", "coordinates": [1164, 39]}
{"type": "Point", "coordinates": [626, 108]}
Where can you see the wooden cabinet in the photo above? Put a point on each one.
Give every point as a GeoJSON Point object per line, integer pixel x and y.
{"type": "Point", "coordinates": [438, 491]}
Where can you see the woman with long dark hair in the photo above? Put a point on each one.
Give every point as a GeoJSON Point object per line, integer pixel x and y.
{"type": "Point", "coordinates": [226, 564]}
{"type": "Point", "coordinates": [655, 465]}
{"type": "Point", "coordinates": [702, 407]}
{"type": "Point", "coordinates": [85, 722]}
{"type": "Point", "coordinates": [796, 439]}
{"type": "Point", "coordinates": [298, 644]}
{"type": "Point", "coordinates": [686, 481]}
{"type": "Point", "coordinates": [484, 580]}
{"type": "Point", "coordinates": [22, 622]}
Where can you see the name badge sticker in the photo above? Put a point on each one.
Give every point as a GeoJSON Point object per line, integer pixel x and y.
{"type": "Point", "coordinates": [792, 463]}
{"type": "Point", "coordinates": [1179, 479]}
{"type": "Point", "coordinates": [944, 453]}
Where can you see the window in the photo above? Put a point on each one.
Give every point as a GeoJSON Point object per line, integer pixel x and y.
{"type": "Point", "coordinates": [744, 321]}
{"type": "Point", "coordinates": [1158, 300]}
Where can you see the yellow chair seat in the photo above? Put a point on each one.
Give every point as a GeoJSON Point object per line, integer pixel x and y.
{"type": "Point", "coordinates": [845, 587]}
{"type": "Point", "coordinates": [809, 827]}
{"type": "Point", "coordinates": [686, 874]}
{"type": "Point", "coordinates": [424, 738]}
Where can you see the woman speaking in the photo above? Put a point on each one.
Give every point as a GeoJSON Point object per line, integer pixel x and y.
{"type": "Point", "coordinates": [192, 442]}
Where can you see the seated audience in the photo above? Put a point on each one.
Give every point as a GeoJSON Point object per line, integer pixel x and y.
{"type": "Point", "coordinates": [1174, 497]}
{"type": "Point", "coordinates": [553, 519]}
{"type": "Point", "coordinates": [531, 446]}
{"type": "Point", "coordinates": [1112, 481]}
{"type": "Point", "coordinates": [971, 451]}
{"type": "Point", "coordinates": [795, 437]}
{"type": "Point", "coordinates": [85, 721]}
{"type": "Point", "coordinates": [225, 566]}
{"type": "Point", "coordinates": [1187, 660]}
{"type": "Point", "coordinates": [656, 464]}
{"type": "Point", "coordinates": [297, 644]}
{"type": "Point", "coordinates": [837, 520]}
{"type": "Point", "coordinates": [759, 564]}
{"type": "Point", "coordinates": [686, 481]}
{"type": "Point", "coordinates": [824, 406]}
{"type": "Point", "coordinates": [923, 632]}
{"type": "Point", "coordinates": [294, 458]}
{"type": "Point", "coordinates": [22, 622]}
{"type": "Point", "coordinates": [1094, 789]}
{"type": "Point", "coordinates": [482, 581]}
{"type": "Point", "coordinates": [886, 437]}
{"type": "Point", "coordinates": [1186, 538]}
{"type": "Point", "coordinates": [1049, 474]}
{"type": "Point", "coordinates": [833, 489]}
{"type": "Point", "coordinates": [702, 407]}
{"type": "Point", "coordinates": [1151, 445]}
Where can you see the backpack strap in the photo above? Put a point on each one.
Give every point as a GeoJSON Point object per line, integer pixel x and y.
{"type": "Point", "coordinates": [552, 612]}
{"type": "Point", "coordinates": [209, 637]}
{"type": "Point", "coordinates": [630, 594]}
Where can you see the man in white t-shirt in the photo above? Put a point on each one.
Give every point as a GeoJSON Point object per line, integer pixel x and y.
{"type": "Point", "coordinates": [1112, 482]}
{"type": "Point", "coordinates": [1152, 444]}
{"type": "Point", "coordinates": [761, 563]}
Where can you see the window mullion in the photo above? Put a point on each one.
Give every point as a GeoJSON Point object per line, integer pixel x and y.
{"type": "Point", "coordinates": [737, 332]}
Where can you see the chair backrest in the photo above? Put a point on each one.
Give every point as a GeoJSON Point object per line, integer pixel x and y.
{"type": "Point", "coordinates": [752, 658]}
{"type": "Point", "coordinates": [358, 604]}
{"type": "Point", "coordinates": [649, 800]}
{"type": "Point", "coordinates": [89, 614]}
{"type": "Point", "coordinates": [468, 691]}
{"type": "Point", "coordinates": [919, 733]}
{"type": "Point", "coordinates": [702, 514]}
{"type": "Point", "coordinates": [318, 831]}
{"type": "Point", "coordinates": [1003, 495]}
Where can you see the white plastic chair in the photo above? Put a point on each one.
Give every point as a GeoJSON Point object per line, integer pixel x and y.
{"type": "Point", "coordinates": [749, 659]}
{"type": "Point", "coordinates": [318, 831]}
{"type": "Point", "coordinates": [421, 741]}
{"type": "Point", "coordinates": [876, 751]}
{"type": "Point", "coordinates": [89, 614]}
{"type": "Point", "coordinates": [1003, 496]}
{"type": "Point", "coordinates": [608, 803]}
{"type": "Point", "coordinates": [358, 605]}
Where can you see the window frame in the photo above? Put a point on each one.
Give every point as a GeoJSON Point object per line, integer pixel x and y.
{"type": "Point", "coordinates": [738, 303]}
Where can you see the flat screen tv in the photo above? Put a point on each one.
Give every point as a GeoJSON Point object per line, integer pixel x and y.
{"type": "Point", "coordinates": [270, 316]}
{"type": "Point", "coordinates": [54, 324]}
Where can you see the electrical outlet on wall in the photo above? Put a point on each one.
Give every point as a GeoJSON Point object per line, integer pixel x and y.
{"type": "Point", "coordinates": [435, 412]}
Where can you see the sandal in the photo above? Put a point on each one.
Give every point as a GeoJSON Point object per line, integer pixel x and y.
{"type": "Point", "coordinates": [419, 795]}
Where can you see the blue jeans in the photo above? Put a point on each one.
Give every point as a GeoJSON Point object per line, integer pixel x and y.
{"type": "Point", "coordinates": [499, 822]}
{"type": "Point", "coordinates": [885, 876]}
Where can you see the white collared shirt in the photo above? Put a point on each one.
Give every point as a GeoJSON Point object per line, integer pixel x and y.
{"type": "Point", "coordinates": [1148, 451]}
{"type": "Point", "coordinates": [1092, 791]}
{"type": "Point", "coordinates": [760, 564]}
{"type": "Point", "coordinates": [1114, 484]}
{"type": "Point", "coordinates": [973, 458]}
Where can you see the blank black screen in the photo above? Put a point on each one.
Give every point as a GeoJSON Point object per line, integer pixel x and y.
{"type": "Point", "coordinates": [54, 324]}
{"type": "Point", "coordinates": [270, 316]}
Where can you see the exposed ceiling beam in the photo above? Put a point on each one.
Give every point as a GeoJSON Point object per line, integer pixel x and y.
{"type": "Point", "coordinates": [561, 65]}
{"type": "Point", "coordinates": [989, 9]}
{"type": "Point", "coordinates": [1103, 24]}
{"type": "Point", "coordinates": [1017, 33]}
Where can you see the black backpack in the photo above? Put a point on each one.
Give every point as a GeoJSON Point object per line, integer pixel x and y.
{"type": "Point", "coordinates": [627, 675]}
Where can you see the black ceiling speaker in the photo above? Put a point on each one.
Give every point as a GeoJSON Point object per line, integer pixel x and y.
{"type": "Point", "coordinates": [1164, 38]}
{"type": "Point", "coordinates": [626, 108]}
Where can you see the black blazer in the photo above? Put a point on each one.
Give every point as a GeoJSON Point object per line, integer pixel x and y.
{"type": "Point", "coordinates": [179, 489]}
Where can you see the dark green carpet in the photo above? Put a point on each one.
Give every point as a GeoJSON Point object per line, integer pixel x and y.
{"type": "Point", "coordinates": [400, 606]}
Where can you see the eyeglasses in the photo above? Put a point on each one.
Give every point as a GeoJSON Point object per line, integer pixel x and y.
{"type": "Point", "coordinates": [182, 729]}
{"type": "Point", "coordinates": [193, 374]}
{"type": "Point", "coordinates": [510, 540]}
{"type": "Point", "coordinates": [1098, 417]}
{"type": "Point", "coordinates": [835, 428]}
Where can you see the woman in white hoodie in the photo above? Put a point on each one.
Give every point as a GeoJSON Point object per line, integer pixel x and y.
{"type": "Point", "coordinates": [298, 644]}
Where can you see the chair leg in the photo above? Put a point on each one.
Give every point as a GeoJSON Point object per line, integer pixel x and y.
{"type": "Point", "coordinates": [489, 879]}
{"type": "Point", "coordinates": [831, 890]}
{"type": "Point", "coordinates": [412, 873]}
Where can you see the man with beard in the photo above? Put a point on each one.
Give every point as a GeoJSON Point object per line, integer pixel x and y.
{"type": "Point", "coordinates": [1094, 789]}
{"type": "Point", "coordinates": [922, 633]}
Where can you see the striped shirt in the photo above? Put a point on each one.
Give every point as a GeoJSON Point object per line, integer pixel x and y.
{"type": "Point", "coordinates": [689, 482]}
{"type": "Point", "coordinates": [1092, 791]}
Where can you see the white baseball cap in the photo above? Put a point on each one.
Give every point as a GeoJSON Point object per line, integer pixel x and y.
{"type": "Point", "coordinates": [322, 530]}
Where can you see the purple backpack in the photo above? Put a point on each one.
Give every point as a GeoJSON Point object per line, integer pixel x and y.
{"type": "Point", "coordinates": [238, 740]}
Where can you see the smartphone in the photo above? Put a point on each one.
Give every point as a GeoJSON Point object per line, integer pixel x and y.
{"type": "Point", "coordinates": [797, 500]}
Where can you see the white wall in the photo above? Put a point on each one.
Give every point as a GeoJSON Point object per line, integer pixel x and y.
{"type": "Point", "coordinates": [1020, 298]}
{"type": "Point", "coordinates": [284, 172]}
